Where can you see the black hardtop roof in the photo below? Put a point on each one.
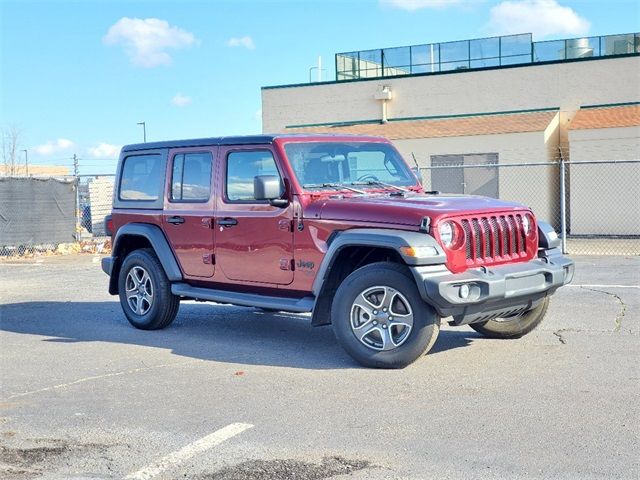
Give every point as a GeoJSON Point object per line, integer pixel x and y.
{"type": "Point", "coordinates": [235, 140]}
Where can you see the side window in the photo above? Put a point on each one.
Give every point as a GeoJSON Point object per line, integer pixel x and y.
{"type": "Point", "coordinates": [191, 177]}
{"type": "Point", "coordinates": [141, 178]}
{"type": "Point", "coordinates": [242, 167]}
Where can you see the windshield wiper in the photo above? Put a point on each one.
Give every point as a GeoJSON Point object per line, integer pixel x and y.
{"type": "Point", "coordinates": [378, 182]}
{"type": "Point", "coordinates": [336, 186]}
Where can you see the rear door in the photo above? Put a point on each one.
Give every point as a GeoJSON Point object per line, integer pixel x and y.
{"type": "Point", "coordinates": [254, 240]}
{"type": "Point", "coordinates": [188, 209]}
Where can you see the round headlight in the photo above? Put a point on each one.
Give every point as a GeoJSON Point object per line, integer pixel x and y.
{"type": "Point", "coordinates": [446, 233]}
{"type": "Point", "coordinates": [526, 224]}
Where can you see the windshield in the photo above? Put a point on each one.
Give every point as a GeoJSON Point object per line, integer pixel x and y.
{"type": "Point", "coordinates": [334, 164]}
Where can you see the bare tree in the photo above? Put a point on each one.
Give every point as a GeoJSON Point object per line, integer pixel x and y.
{"type": "Point", "coordinates": [10, 143]}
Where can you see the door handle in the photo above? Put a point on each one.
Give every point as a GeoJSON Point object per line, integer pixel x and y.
{"type": "Point", "coordinates": [227, 222]}
{"type": "Point", "coordinates": [175, 220]}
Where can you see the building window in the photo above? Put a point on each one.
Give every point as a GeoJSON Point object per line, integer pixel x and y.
{"type": "Point", "coordinates": [465, 177]}
{"type": "Point", "coordinates": [191, 177]}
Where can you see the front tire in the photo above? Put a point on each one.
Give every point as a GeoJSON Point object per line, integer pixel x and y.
{"type": "Point", "coordinates": [145, 291]}
{"type": "Point", "coordinates": [380, 319]}
{"type": "Point", "coordinates": [513, 327]}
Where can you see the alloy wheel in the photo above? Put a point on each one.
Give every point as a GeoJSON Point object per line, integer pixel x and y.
{"type": "Point", "coordinates": [381, 318]}
{"type": "Point", "coordinates": [139, 289]}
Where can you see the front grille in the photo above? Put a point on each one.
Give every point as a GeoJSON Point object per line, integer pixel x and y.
{"type": "Point", "coordinates": [493, 238]}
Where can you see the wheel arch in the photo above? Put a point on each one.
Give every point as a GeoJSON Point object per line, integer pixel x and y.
{"type": "Point", "coordinates": [352, 249]}
{"type": "Point", "coordinates": [134, 236]}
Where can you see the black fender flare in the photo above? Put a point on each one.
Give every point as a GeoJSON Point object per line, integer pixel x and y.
{"type": "Point", "coordinates": [154, 235]}
{"type": "Point", "coordinates": [430, 253]}
{"type": "Point", "coordinates": [384, 238]}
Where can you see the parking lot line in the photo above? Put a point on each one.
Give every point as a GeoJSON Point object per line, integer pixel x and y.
{"type": "Point", "coordinates": [188, 451]}
{"type": "Point", "coordinates": [37, 264]}
{"type": "Point", "coordinates": [596, 285]}
{"type": "Point", "coordinates": [95, 377]}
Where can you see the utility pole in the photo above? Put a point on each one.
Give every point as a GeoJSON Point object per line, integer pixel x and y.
{"type": "Point", "coordinates": [26, 161]}
{"type": "Point", "coordinates": [144, 131]}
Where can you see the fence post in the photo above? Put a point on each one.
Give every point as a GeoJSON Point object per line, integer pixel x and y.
{"type": "Point", "coordinates": [563, 205]}
{"type": "Point", "coordinates": [76, 174]}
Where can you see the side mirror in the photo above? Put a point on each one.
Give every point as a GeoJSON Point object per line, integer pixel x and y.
{"type": "Point", "coordinates": [268, 187]}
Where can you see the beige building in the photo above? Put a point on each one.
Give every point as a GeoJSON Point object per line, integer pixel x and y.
{"type": "Point", "coordinates": [580, 97]}
{"type": "Point", "coordinates": [34, 171]}
{"type": "Point", "coordinates": [100, 195]}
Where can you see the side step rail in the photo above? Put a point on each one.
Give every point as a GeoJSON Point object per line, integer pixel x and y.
{"type": "Point", "coordinates": [297, 305]}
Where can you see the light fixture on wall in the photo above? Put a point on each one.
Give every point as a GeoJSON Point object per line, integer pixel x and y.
{"type": "Point", "coordinates": [384, 95]}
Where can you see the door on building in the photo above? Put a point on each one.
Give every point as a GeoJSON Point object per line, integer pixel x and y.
{"type": "Point", "coordinates": [465, 177]}
{"type": "Point", "coordinates": [188, 210]}
{"type": "Point", "coordinates": [254, 240]}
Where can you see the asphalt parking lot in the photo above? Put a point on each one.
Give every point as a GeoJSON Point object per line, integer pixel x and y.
{"type": "Point", "coordinates": [236, 393]}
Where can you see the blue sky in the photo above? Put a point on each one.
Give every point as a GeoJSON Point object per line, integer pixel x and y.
{"type": "Point", "coordinates": [76, 76]}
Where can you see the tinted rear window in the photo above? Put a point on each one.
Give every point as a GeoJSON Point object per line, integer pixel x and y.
{"type": "Point", "coordinates": [191, 178]}
{"type": "Point", "coordinates": [142, 178]}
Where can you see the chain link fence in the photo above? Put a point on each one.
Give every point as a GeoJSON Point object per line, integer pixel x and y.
{"type": "Point", "coordinates": [53, 215]}
{"type": "Point", "coordinates": [594, 205]}
{"type": "Point", "coordinates": [95, 197]}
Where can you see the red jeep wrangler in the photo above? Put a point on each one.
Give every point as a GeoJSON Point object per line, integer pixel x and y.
{"type": "Point", "coordinates": [338, 226]}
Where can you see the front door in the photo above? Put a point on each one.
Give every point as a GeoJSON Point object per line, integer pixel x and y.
{"type": "Point", "coordinates": [254, 240]}
{"type": "Point", "coordinates": [188, 210]}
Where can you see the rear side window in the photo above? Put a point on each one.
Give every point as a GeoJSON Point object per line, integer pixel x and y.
{"type": "Point", "coordinates": [141, 178]}
{"type": "Point", "coordinates": [242, 167]}
{"type": "Point", "coordinates": [191, 177]}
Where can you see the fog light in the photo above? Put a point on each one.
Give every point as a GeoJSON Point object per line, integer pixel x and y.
{"type": "Point", "coordinates": [464, 291]}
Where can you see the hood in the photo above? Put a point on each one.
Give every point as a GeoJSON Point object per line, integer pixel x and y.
{"type": "Point", "coordinates": [407, 210]}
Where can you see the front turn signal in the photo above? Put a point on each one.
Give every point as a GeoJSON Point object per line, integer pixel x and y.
{"type": "Point", "coordinates": [417, 252]}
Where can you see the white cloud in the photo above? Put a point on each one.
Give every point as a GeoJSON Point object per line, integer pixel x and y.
{"type": "Point", "coordinates": [104, 150]}
{"type": "Point", "coordinates": [412, 5]}
{"type": "Point", "coordinates": [541, 17]}
{"type": "Point", "coordinates": [53, 146]}
{"type": "Point", "coordinates": [180, 100]}
{"type": "Point", "coordinates": [246, 42]}
{"type": "Point", "coordinates": [146, 41]}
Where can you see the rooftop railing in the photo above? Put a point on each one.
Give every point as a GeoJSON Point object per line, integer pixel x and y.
{"type": "Point", "coordinates": [478, 53]}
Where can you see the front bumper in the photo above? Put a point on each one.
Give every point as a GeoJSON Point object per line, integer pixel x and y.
{"type": "Point", "coordinates": [484, 293]}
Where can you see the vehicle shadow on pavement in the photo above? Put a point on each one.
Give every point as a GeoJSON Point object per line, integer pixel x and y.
{"type": "Point", "coordinates": [450, 339]}
{"type": "Point", "coordinates": [218, 333]}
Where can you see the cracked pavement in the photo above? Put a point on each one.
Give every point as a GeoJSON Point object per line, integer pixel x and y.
{"type": "Point", "coordinates": [623, 306]}
{"type": "Point", "coordinates": [84, 395]}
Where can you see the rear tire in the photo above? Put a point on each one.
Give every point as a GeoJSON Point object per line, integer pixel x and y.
{"type": "Point", "coordinates": [513, 327]}
{"type": "Point", "coordinates": [380, 319]}
{"type": "Point", "coordinates": [145, 291]}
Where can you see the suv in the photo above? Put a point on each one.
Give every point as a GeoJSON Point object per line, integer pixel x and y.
{"type": "Point", "coordinates": [337, 226]}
